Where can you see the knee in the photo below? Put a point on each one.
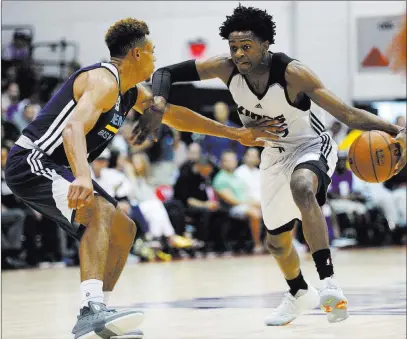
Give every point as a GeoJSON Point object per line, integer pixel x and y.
{"type": "Point", "coordinates": [302, 191]}
{"type": "Point", "coordinates": [277, 248]}
{"type": "Point", "coordinates": [132, 229]}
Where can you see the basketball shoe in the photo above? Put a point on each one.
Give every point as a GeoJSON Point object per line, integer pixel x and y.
{"type": "Point", "coordinates": [137, 334]}
{"type": "Point", "coordinates": [292, 306]}
{"type": "Point", "coordinates": [333, 301]}
{"type": "Point", "coordinates": [97, 321]}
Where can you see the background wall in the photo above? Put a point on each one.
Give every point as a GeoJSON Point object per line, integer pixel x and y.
{"type": "Point", "coordinates": [321, 34]}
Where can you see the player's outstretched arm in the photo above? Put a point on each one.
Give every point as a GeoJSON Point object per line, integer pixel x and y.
{"type": "Point", "coordinates": [186, 120]}
{"type": "Point", "coordinates": [302, 79]}
{"type": "Point", "coordinates": [94, 91]}
{"type": "Point", "coordinates": [163, 78]}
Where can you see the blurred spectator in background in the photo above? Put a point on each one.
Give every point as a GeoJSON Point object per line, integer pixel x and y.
{"type": "Point", "coordinates": [25, 115]}
{"type": "Point", "coordinates": [344, 201]}
{"type": "Point", "coordinates": [180, 149]}
{"type": "Point", "coordinates": [194, 152]}
{"type": "Point", "coordinates": [391, 203]}
{"type": "Point", "coordinates": [9, 100]}
{"type": "Point", "coordinates": [193, 188]}
{"type": "Point", "coordinates": [250, 173]}
{"type": "Point", "coordinates": [161, 155]}
{"type": "Point", "coordinates": [232, 191]}
{"type": "Point", "coordinates": [142, 194]}
{"type": "Point", "coordinates": [19, 48]}
{"type": "Point", "coordinates": [401, 121]}
{"type": "Point", "coordinates": [12, 222]}
{"type": "Point", "coordinates": [337, 131]}
{"type": "Point", "coordinates": [111, 180]}
{"type": "Point", "coordinates": [214, 146]}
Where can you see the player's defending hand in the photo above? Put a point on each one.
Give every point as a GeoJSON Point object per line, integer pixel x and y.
{"type": "Point", "coordinates": [149, 122]}
{"type": "Point", "coordinates": [401, 139]}
{"type": "Point", "coordinates": [255, 136]}
{"type": "Point", "coordinates": [80, 192]}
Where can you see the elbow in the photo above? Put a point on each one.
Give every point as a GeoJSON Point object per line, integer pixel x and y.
{"type": "Point", "coordinates": [70, 128]}
{"type": "Point", "coordinates": [351, 120]}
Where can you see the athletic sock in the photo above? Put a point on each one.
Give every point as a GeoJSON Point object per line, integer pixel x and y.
{"type": "Point", "coordinates": [91, 290]}
{"type": "Point", "coordinates": [106, 297]}
{"type": "Point", "coordinates": [297, 284]}
{"type": "Point", "coordinates": [323, 262]}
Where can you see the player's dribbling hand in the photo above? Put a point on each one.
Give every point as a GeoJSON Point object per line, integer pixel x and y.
{"type": "Point", "coordinates": [80, 192]}
{"type": "Point", "coordinates": [400, 141]}
{"type": "Point", "coordinates": [149, 122]}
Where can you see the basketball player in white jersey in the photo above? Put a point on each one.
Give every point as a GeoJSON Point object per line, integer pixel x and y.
{"type": "Point", "coordinates": [296, 168]}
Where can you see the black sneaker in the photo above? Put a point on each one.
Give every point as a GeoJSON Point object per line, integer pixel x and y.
{"type": "Point", "coordinates": [97, 321]}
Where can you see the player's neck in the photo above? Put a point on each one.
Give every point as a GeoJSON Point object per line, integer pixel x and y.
{"type": "Point", "coordinates": [263, 67]}
{"type": "Point", "coordinates": [127, 74]}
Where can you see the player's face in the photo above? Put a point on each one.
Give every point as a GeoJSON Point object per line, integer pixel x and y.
{"type": "Point", "coordinates": [147, 59]}
{"type": "Point", "coordinates": [246, 51]}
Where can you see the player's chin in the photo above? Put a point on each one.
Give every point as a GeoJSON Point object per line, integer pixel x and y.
{"type": "Point", "coordinates": [244, 68]}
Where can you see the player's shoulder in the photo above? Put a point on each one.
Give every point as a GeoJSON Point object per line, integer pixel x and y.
{"type": "Point", "coordinates": [99, 81]}
{"type": "Point", "coordinates": [219, 66]}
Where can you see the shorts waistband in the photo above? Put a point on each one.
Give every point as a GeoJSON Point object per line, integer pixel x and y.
{"type": "Point", "coordinates": [26, 143]}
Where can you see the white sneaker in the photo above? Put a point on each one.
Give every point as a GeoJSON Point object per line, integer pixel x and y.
{"type": "Point", "coordinates": [333, 301]}
{"type": "Point", "coordinates": [291, 307]}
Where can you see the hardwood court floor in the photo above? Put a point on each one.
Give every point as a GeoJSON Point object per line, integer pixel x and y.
{"type": "Point", "coordinates": [225, 298]}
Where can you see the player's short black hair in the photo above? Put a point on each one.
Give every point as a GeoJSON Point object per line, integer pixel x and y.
{"type": "Point", "coordinates": [249, 19]}
{"type": "Point", "coordinates": [124, 35]}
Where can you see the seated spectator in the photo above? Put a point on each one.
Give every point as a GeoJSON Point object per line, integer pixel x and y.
{"type": "Point", "coordinates": [114, 182]}
{"type": "Point", "coordinates": [180, 149]}
{"type": "Point", "coordinates": [401, 121]}
{"type": "Point", "coordinates": [337, 131]}
{"type": "Point", "coordinates": [19, 48]}
{"type": "Point", "coordinates": [9, 100]}
{"type": "Point", "coordinates": [193, 188]}
{"type": "Point", "coordinates": [25, 115]}
{"type": "Point", "coordinates": [215, 146]}
{"type": "Point", "coordinates": [391, 203]}
{"type": "Point", "coordinates": [250, 173]}
{"type": "Point", "coordinates": [342, 197]}
{"type": "Point", "coordinates": [161, 157]}
{"type": "Point", "coordinates": [12, 223]}
{"type": "Point", "coordinates": [142, 194]}
{"type": "Point", "coordinates": [232, 191]}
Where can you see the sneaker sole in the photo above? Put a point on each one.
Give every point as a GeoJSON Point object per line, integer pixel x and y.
{"type": "Point", "coordinates": [336, 309]}
{"type": "Point", "coordinates": [117, 328]}
{"type": "Point", "coordinates": [128, 336]}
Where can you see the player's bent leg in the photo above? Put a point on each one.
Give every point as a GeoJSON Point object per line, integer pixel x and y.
{"type": "Point", "coordinates": [305, 186]}
{"type": "Point", "coordinates": [123, 231]}
{"type": "Point", "coordinates": [100, 246]}
{"type": "Point", "coordinates": [302, 296]}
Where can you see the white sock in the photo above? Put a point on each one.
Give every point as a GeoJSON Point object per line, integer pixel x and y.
{"type": "Point", "coordinates": [91, 290]}
{"type": "Point", "coordinates": [106, 297]}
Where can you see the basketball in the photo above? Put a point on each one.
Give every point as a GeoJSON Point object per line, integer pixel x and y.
{"type": "Point", "coordinates": [371, 158]}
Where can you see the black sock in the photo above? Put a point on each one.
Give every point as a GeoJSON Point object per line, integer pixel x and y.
{"type": "Point", "coordinates": [297, 284]}
{"type": "Point", "coordinates": [323, 262]}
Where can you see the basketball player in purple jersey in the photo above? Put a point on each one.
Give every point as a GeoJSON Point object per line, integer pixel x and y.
{"type": "Point", "coordinates": [48, 168]}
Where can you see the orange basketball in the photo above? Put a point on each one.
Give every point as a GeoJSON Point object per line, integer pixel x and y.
{"type": "Point", "coordinates": [371, 157]}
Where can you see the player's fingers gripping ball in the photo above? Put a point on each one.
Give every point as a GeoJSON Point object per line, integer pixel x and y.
{"type": "Point", "coordinates": [373, 156]}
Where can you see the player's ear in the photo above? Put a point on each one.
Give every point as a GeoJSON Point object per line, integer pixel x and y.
{"type": "Point", "coordinates": [265, 46]}
{"type": "Point", "coordinates": [135, 52]}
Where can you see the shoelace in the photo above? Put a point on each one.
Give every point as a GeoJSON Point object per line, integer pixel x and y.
{"type": "Point", "coordinates": [286, 302]}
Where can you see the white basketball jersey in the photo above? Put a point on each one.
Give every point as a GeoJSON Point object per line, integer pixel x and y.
{"type": "Point", "coordinates": [305, 120]}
